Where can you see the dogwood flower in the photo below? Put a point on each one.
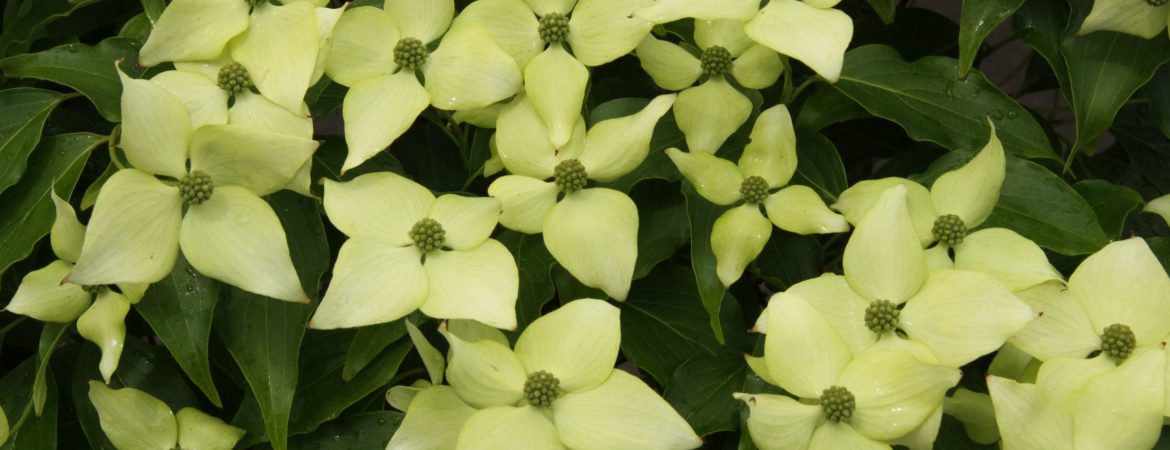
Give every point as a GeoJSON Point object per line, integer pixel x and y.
{"type": "Point", "coordinates": [843, 398]}
{"type": "Point", "coordinates": [411, 251]}
{"type": "Point", "coordinates": [592, 232]}
{"type": "Point", "coordinates": [227, 232]}
{"type": "Point", "coordinates": [133, 419]}
{"type": "Point", "coordinates": [958, 202]}
{"type": "Point", "coordinates": [559, 389]}
{"type": "Point", "coordinates": [1104, 407]}
{"type": "Point", "coordinates": [1143, 18]}
{"type": "Point", "coordinates": [810, 31]}
{"type": "Point", "coordinates": [768, 162]}
{"type": "Point", "coordinates": [959, 315]}
{"type": "Point", "coordinates": [1116, 304]}
{"type": "Point", "coordinates": [42, 296]}
{"type": "Point", "coordinates": [709, 113]}
{"type": "Point", "coordinates": [380, 55]}
{"type": "Point", "coordinates": [279, 45]}
{"type": "Point", "coordinates": [536, 32]}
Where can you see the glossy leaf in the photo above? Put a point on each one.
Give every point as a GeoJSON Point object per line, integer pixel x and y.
{"type": "Point", "coordinates": [700, 390]}
{"type": "Point", "coordinates": [368, 343]}
{"type": "Point", "coordinates": [25, 19]}
{"type": "Point", "coordinates": [929, 100]}
{"type": "Point", "coordinates": [362, 431]}
{"type": "Point", "coordinates": [535, 265]}
{"type": "Point", "coordinates": [1042, 207]}
{"type": "Point", "coordinates": [1112, 202]}
{"type": "Point", "coordinates": [663, 226]}
{"type": "Point", "coordinates": [23, 112]}
{"type": "Point", "coordinates": [702, 214]}
{"type": "Point", "coordinates": [976, 21]}
{"type": "Point", "coordinates": [818, 165]}
{"type": "Point", "coordinates": [87, 69]}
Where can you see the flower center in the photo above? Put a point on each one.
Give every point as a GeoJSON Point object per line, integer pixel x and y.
{"type": "Point", "coordinates": [554, 27]}
{"type": "Point", "coordinates": [410, 53]}
{"type": "Point", "coordinates": [838, 403]}
{"type": "Point", "coordinates": [570, 175]}
{"type": "Point", "coordinates": [428, 235]}
{"type": "Point", "coordinates": [881, 316]}
{"type": "Point", "coordinates": [196, 187]}
{"type": "Point", "coordinates": [716, 60]}
{"type": "Point", "coordinates": [1118, 341]}
{"type": "Point", "coordinates": [949, 229]}
{"type": "Point", "coordinates": [1156, 3]}
{"type": "Point", "coordinates": [541, 388]}
{"type": "Point", "coordinates": [95, 289]}
{"type": "Point", "coordinates": [754, 189]}
{"type": "Point", "coordinates": [234, 78]}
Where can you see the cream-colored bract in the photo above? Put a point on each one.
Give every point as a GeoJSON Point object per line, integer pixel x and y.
{"type": "Point", "coordinates": [1136, 17]}
{"type": "Point", "coordinates": [135, 420]}
{"type": "Point", "coordinates": [811, 32]}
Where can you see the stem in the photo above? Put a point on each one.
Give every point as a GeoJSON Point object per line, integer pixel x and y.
{"type": "Point", "coordinates": [799, 89]}
{"type": "Point", "coordinates": [114, 135]}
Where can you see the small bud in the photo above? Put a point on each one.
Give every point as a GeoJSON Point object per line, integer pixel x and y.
{"type": "Point", "coordinates": [754, 189]}
{"type": "Point", "coordinates": [428, 235]}
{"type": "Point", "coordinates": [410, 53]}
{"type": "Point", "coordinates": [949, 229]}
{"type": "Point", "coordinates": [1118, 341]}
{"type": "Point", "coordinates": [716, 60]}
{"type": "Point", "coordinates": [196, 187]}
{"type": "Point", "coordinates": [881, 316]}
{"type": "Point", "coordinates": [541, 388]}
{"type": "Point", "coordinates": [570, 175]}
{"type": "Point", "coordinates": [234, 78]}
{"type": "Point", "coordinates": [554, 27]}
{"type": "Point", "coordinates": [838, 403]}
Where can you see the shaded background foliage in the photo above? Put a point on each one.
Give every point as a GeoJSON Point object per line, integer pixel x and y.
{"type": "Point", "coordinates": [1087, 119]}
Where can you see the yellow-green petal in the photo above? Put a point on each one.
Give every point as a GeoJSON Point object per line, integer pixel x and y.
{"type": "Point", "coordinates": [479, 283]}
{"type": "Point", "coordinates": [526, 201]}
{"type": "Point", "coordinates": [601, 31]}
{"type": "Point", "coordinates": [1136, 17]}
{"type": "Point", "coordinates": [235, 237]}
{"type": "Point", "coordinates": [432, 421]}
{"type": "Point", "coordinates": [377, 111]}
{"type": "Point", "coordinates": [776, 422]}
{"type": "Point", "coordinates": [1122, 408]}
{"type": "Point", "coordinates": [939, 257]}
{"type": "Point", "coordinates": [835, 435]}
{"type": "Point", "coordinates": [615, 147]}
{"type": "Point", "coordinates": [512, 23]}
{"type": "Point", "coordinates": [68, 234]}
{"type": "Point", "coordinates": [670, 66]}
{"type": "Point", "coordinates": [817, 37]}
{"type": "Point", "coordinates": [104, 324]}
{"type": "Point", "coordinates": [200, 431]}
{"type": "Point", "coordinates": [1062, 327]}
{"type": "Point", "coordinates": [484, 118]}
{"type": "Point", "coordinates": [737, 237]}
{"type": "Point", "coordinates": [859, 198]}
{"type": "Point", "coordinates": [425, 21]}
{"type": "Point", "coordinates": [831, 295]}
{"type": "Point", "coordinates": [280, 52]}
{"type": "Point", "coordinates": [771, 152]}
{"type": "Point", "coordinates": [469, 70]}
{"type": "Point", "coordinates": [257, 111]}
{"type": "Point", "coordinates": [593, 233]}
{"type": "Point", "coordinates": [972, 191]}
{"type": "Point", "coordinates": [485, 373]}
{"type": "Point", "coordinates": [507, 428]}
{"type": "Point", "coordinates": [467, 221]}
{"type": "Point", "coordinates": [1029, 416]}
{"type": "Point", "coordinates": [132, 419]}
{"type": "Point", "coordinates": [42, 296]}
{"type": "Point", "coordinates": [726, 33]}
{"type": "Point", "coordinates": [709, 113]}
{"type": "Point", "coordinates": [664, 11]}
{"type": "Point", "coordinates": [1159, 206]}
{"type": "Point", "coordinates": [1011, 259]}
{"type": "Point", "coordinates": [1124, 283]}
{"type": "Point", "coordinates": [800, 210]}
{"type": "Point", "coordinates": [555, 82]}
{"type": "Point", "coordinates": [716, 179]}
{"type": "Point", "coordinates": [923, 437]}
{"type": "Point", "coordinates": [804, 354]}
{"type": "Point", "coordinates": [133, 235]}
{"type": "Point", "coordinates": [155, 128]}
{"type": "Point", "coordinates": [757, 68]}
{"type": "Point", "coordinates": [522, 140]}
{"type": "Point", "coordinates": [542, 7]}
{"type": "Point", "coordinates": [578, 343]}
{"type": "Point", "coordinates": [194, 30]}
{"type": "Point", "coordinates": [260, 161]}
{"type": "Point", "coordinates": [962, 315]}
{"type": "Point", "coordinates": [895, 391]}
{"type": "Point", "coordinates": [206, 102]}
{"type": "Point", "coordinates": [622, 413]}
{"type": "Point", "coordinates": [883, 259]}
{"type": "Point", "coordinates": [380, 205]}
{"type": "Point", "coordinates": [373, 282]}
{"type": "Point", "coordinates": [363, 46]}
{"type": "Point", "coordinates": [327, 19]}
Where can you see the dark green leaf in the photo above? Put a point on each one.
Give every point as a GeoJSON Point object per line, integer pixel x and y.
{"type": "Point", "coordinates": [87, 69]}
{"type": "Point", "coordinates": [663, 226]}
{"type": "Point", "coordinates": [264, 335]}
{"type": "Point", "coordinates": [87, 416]}
{"type": "Point", "coordinates": [1149, 154]}
{"type": "Point", "coordinates": [91, 191]}
{"type": "Point", "coordinates": [179, 309]}
{"type": "Point", "coordinates": [323, 394]}
{"type": "Point", "coordinates": [23, 112]}
{"type": "Point", "coordinates": [702, 214]}
{"type": "Point", "coordinates": [24, 19]}
{"type": "Point", "coordinates": [51, 336]}
{"type": "Point", "coordinates": [29, 208]}
{"type": "Point", "coordinates": [818, 165]}
{"type": "Point", "coordinates": [137, 28]}
{"type": "Point", "coordinates": [928, 99]}
{"type": "Point", "coordinates": [153, 8]}
{"type": "Point", "coordinates": [368, 343]}
{"type": "Point", "coordinates": [365, 431]}
{"type": "Point", "coordinates": [827, 106]}
{"type": "Point", "coordinates": [789, 258]}
{"type": "Point", "coordinates": [30, 431]}
{"type": "Point", "coordinates": [1158, 91]}
{"type": "Point", "coordinates": [885, 9]}
{"type": "Point", "coordinates": [701, 389]}
{"type": "Point", "coordinates": [147, 368]}
{"type": "Point", "coordinates": [976, 21]}
{"type": "Point", "coordinates": [1042, 207]}
{"type": "Point", "coordinates": [664, 323]}
{"type": "Point", "coordinates": [534, 263]}
{"type": "Point", "coordinates": [1112, 203]}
